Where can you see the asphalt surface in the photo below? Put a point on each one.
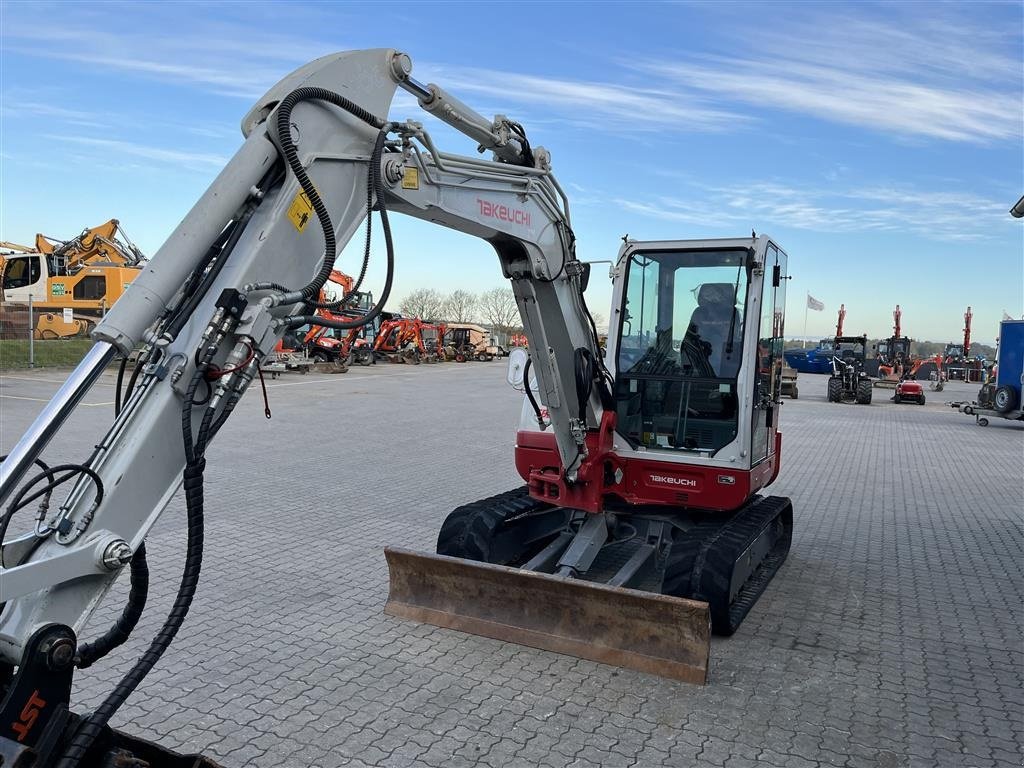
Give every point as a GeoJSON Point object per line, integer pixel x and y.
{"type": "Point", "coordinates": [891, 637]}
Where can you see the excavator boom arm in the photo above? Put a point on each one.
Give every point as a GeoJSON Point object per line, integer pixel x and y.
{"type": "Point", "coordinates": [250, 235]}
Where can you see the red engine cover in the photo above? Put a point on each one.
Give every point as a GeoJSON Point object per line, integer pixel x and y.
{"type": "Point", "coordinates": [909, 388]}
{"type": "Point", "coordinates": [649, 481]}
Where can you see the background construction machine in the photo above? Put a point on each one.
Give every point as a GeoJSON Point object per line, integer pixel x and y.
{"type": "Point", "coordinates": [893, 354]}
{"type": "Point", "coordinates": [467, 341]}
{"type": "Point", "coordinates": [819, 359]}
{"type": "Point", "coordinates": [643, 471]}
{"type": "Point", "coordinates": [957, 359]}
{"type": "Point", "coordinates": [849, 380]}
{"type": "Point", "coordinates": [409, 340]}
{"type": "Point", "coordinates": [85, 275]}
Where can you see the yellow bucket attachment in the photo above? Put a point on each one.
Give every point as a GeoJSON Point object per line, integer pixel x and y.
{"type": "Point", "coordinates": [646, 631]}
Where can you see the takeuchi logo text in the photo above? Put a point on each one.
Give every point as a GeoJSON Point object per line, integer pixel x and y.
{"type": "Point", "coordinates": [683, 481]}
{"type": "Point", "coordinates": [503, 212]}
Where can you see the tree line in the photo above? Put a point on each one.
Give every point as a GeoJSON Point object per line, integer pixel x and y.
{"type": "Point", "coordinates": [495, 308]}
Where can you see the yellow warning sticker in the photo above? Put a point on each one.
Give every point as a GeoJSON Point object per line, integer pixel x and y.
{"type": "Point", "coordinates": [411, 178]}
{"type": "Point", "coordinates": [300, 211]}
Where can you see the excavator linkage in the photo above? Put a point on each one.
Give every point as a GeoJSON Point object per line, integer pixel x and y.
{"type": "Point", "coordinates": [516, 569]}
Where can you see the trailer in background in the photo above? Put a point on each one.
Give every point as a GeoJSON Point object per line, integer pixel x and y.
{"type": "Point", "coordinates": [1000, 397]}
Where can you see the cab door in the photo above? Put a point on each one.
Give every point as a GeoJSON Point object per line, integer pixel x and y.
{"type": "Point", "coordinates": [770, 341]}
{"type": "Point", "coordinates": [24, 276]}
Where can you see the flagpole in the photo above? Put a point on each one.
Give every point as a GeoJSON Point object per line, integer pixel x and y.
{"type": "Point", "coordinates": [807, 303]}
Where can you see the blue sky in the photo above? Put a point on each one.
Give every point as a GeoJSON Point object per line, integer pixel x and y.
{"type": "Point", "coordinates": [880, 144]}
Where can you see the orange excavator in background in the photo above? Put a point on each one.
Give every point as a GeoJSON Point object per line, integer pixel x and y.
{"type": "Point", "coordinates": [321, 344]}
{"type": "Point", "coordinates": [85, 275]}
{"type": "Point", "coordinates": [957, 357]}
{"type": "Point", "coordinates": [410, 340]}
{"type": "Point", "coordinates": [840, 319]}
{"type": "Point", "coordinates": [894, 358]}
{"type": "Point", "coordinates": [896, 363]}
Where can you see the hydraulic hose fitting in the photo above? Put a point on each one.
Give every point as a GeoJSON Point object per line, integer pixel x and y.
{"type": "Point", "coordinates": [247, 374]}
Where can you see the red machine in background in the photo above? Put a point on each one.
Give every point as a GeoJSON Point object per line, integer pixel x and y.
{"type": "Point", "coordinates": [841, 318]}
{"type": "Point", "coordinates": [894, 358]}
{"type": "Point", "coordinates": [957, 357]}
{"type": "Point", "coordinates": [410, 340]}
{"type": "Point", "coordinates": [320, 344]}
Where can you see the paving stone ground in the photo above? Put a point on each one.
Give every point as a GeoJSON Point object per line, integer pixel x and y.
{"type": "Point", "coordinates": [891, 637]}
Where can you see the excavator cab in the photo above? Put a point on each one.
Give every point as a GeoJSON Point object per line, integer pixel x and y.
{"type": "Point", "coordinates": [682, 343]}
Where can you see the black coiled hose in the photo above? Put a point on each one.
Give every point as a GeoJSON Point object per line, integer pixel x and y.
{"type": "Point", "coordinates": [91, 726]}
{"type": "Point", "coordinates": [311, 291]}
{"type": "Point", "coordinates": [378, 187]}
{"type": "Point", "coordinates": [90, 653]}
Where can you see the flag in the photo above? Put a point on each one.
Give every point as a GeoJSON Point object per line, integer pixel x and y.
{"type": "Point", "coordinates": [813, 303]}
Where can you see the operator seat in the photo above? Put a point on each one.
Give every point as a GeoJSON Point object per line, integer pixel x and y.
{"type": "Point", "coordinates": [710, 322]}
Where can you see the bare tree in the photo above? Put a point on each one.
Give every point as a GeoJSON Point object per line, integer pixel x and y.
{"type": "Point", "coordinates": [460, 307]}
{"type": "Point", "coordinates": [600, 322]}
{"type": "Point", "coordinates": [498, 309]}
{"type": "Point", "coordinates": [425, 303]}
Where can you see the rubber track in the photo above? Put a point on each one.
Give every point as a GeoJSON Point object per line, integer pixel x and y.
{"type": "Point", "coordinates": [700, 563]}
{"type": "Point", "coordinates": [469, 530]}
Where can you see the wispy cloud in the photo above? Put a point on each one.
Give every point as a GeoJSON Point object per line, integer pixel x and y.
{"type": "Point", "coordinates": [939, 75]}
{"type": "Point", "coordinates": [943, 78]}
{"type": "Point", "coordinates": [11, 108]}
{"type": "Point", "coordinates": [895, 208]}
{"type": "Point", "coordinates": [608, 105]}
{"type": "Point", "coordinates": [227, 58]}
{"type": "Point", "coordinates": [193, 160]}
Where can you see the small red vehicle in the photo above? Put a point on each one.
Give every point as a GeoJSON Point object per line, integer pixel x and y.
{"type": "Point", "coordinates": [909, 391]}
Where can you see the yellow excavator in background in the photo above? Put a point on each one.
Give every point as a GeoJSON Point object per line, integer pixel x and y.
{"type": "Point", "coordinates": [85, 275]}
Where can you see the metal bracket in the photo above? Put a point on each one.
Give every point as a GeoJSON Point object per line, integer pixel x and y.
{"type": "Point", "coordinates": [34, 710]}
{"type": "Point", "coordinates": [584, 548]}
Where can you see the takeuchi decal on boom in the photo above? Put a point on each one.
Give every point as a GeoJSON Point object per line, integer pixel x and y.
{"type": "Point", "coordinates": [503, 212]}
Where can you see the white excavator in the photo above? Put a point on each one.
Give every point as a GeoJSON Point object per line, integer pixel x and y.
{"type": "Point", "coordinates": [639, 527]}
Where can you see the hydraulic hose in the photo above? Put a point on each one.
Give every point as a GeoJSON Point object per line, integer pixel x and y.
{"type": "Point", "coordinates": [529, 392]}
{"type": "Point", "coordinates": [117, 385]}
{"type": "Point", "coordinates": [583, 365]}
{"type": "Point", "coordinates": [90, 653]}
{"type": "Point", "coordinates": [310, 291]}
{"type": "Point", "coordinates": [91, 726]}
{"type": "Point", "coordinates": [5, 518]}
{"type": "Point", "coordinates": [378, 307]}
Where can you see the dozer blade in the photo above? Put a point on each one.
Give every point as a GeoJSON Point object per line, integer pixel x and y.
{"type": "Point", "coordinates": [649, 632]}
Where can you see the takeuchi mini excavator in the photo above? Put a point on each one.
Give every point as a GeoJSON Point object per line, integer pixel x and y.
{"type": "Point", "coordinates": [640, 523]}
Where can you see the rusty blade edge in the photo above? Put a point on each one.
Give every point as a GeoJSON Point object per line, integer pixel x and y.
{"type": "Point", "coordinates": [662, 667]}
{"type": "Point", "coordinates": [690, 666]}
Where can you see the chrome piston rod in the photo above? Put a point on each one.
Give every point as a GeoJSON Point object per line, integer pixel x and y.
{"type": "Point", "coordinates": [53, 416]}
{"type": "Point", "coordinates": [460, 116]}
